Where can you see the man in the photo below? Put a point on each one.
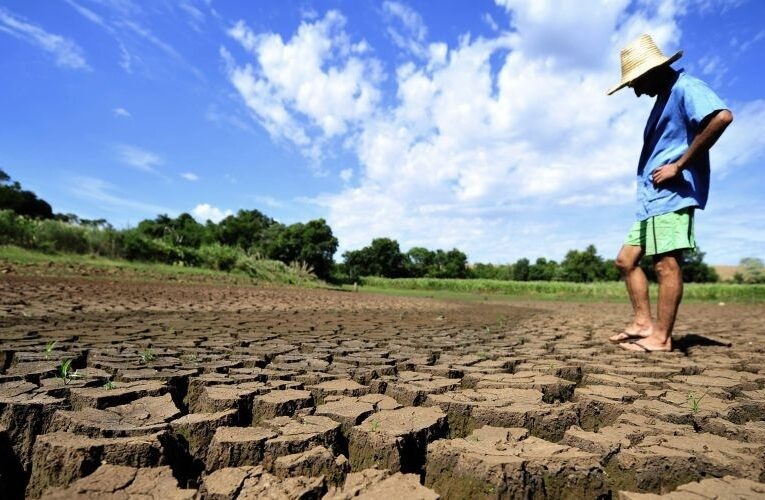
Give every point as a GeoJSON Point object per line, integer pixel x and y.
{"type": "Point", "coordinates": [672, 179]}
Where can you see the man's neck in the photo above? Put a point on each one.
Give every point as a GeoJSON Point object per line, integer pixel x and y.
{"type": "Point", "coordinates": [668, 79]}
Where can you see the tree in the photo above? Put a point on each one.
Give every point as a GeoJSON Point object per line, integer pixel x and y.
{"type": "Point", "coordinates": [543, 270]}
{"type": "Point", "coordinates": [451, 264]}
{"type": "Point", "coordinates": [22, 202]}
{"type": "Point", "coordinates": [418, 261]}
{"type": "Point", "coordinates": [311, 243]}
{"type": "Point", "coordinates": [183, 231]}
{"type": "Point", "coordinates": [246, 229]}
{"type": "Point", "coordinates": [521, 270]}
{"type": "Point", "coordinates": [382, 258]}
{"type": "Point", "coordinates": [695, 270]}
{"type": "Point", "coordinates": [750, 270]}
{"type": "Point", "coordinates": [491, 271]}
{"type": "Point", "coordinates": [586, 266]}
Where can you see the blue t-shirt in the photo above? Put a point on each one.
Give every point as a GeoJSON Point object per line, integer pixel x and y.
{"type": "Point", "coordinates": [671, 127]}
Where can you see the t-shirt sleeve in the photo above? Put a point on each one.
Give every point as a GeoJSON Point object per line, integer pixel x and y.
{"type": "Point", "coordinates": [699, 101]}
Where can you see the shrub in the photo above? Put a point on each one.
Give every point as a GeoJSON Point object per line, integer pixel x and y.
{"type": "Point", "coordinates": [15, 229]}
{"type": "Point", "coordinates": [55, 236]}
{"type": "Point", "coordinates": [219, 257]}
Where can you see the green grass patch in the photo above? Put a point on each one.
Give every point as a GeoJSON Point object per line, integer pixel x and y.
{"type": "Point", "coordinates": [65, 264]}
{"type": "Point", "coordinates": [612, 291]}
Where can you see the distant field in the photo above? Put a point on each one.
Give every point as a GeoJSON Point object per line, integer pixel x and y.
{"type": "Point", "coordinates": [554, 290]}
{"type": "Point", "coordinates": [725, 272]}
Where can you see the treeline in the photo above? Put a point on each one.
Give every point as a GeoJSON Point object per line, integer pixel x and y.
{"type": "Point", "coordinates": [384, 258]}
{"type": "Point", "coordinates": [238, 240]}
{"type": "Point", "coordinates": [233, 243]}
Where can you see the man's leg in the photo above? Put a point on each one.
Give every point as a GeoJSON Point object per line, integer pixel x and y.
{"type": "Point", "coordinates": [628, 262]}
{"type": "Point", "coordinates": [670, 278]}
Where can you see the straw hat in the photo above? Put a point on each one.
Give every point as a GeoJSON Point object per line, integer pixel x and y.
{"type": "Point", "coordinates": [639, 57]}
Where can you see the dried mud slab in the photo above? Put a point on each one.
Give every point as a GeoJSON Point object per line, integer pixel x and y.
{"type": "Point", "coordinates": [251, 483]}
{"type": "Point", "coordinates": [496, 462]}
{"type": "Point", "coordinates": [119, 482]}
{"type": "Point", "coordinates": [62, 457]}
{"type": "Point", "coordinates": [395, 439]}
{"type": "Point", "coordinates": [376, 484]}
{"type": "Point", "coordinates": [318, 461]}
{"type": "Point", "coordinates": [725, 487]}
{"type": "Point", "coordinates": [100, 397]}
{"type": "Point", "coordinates": [140, 417]}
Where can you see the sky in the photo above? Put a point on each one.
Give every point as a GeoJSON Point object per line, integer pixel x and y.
{"type": "Point", "coordinates": [481, 125]}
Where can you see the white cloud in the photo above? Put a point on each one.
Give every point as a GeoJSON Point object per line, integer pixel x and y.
{"type": "Point", "coordinates": [204, 211]}
{"type": "Point", "coordinates": [139, 158]}
{"type": "Point", "coordinates": [406, 28]}
{"type": "Point", "coordinates": [107, 197]}
{"type": "Point", "coordinates": [196, 18]}
{"type": "Point", "coordinates": [346, 174]}
{"type": "Point", "coordinates": [310, 88]}
{"type": "Point", "coordinates": [190, 176]}
{"type": "Point", "coordinates": [67, 53]}
{"type": "Point", "coordinates": [490, 22]}
{"type": "Point", "coordinates": [743, 143]}
{"type": "Point", "coordinates": [121, 112]}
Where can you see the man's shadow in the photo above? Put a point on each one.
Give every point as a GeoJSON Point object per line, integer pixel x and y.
{"type": "Point", "coordinates": [689, 340]}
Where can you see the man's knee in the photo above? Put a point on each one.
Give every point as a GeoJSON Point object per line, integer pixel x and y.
{"type": "Point", "coordinates": [627, 260]}
{"type": "Point", "coordinates": [667, 265]}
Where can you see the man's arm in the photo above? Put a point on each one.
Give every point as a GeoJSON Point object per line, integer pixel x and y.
{"type": "Point", "coordinates": [710, 130]}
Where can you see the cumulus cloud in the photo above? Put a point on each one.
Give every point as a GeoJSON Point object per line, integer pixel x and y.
{"type": "Point", "coordinates": [204, 212]}
{"type": "Point", "coordinates": [190, 176]}
{"type": "Point", "coordinates": [68, 54]}
{"type": "Point", "coordinates": [310, 88]}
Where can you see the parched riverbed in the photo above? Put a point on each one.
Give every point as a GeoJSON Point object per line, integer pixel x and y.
{"type": "Point", "coordinates": [195, 390]}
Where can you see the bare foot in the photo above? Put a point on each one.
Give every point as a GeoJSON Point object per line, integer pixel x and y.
{"type": "Point", "coordinates": [632, 332]}
{"type": "Point", "coordinates": [648, 344]}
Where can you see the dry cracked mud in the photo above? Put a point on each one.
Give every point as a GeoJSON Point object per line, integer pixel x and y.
{"type": "Point", "coordinates": [230, 391]}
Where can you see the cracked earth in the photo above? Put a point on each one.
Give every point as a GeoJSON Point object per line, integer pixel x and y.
{"type": "Point", "coordinates": [227, 391]}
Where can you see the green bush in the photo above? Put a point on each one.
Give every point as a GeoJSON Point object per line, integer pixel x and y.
{"type": "Point", "coordinates": [105, 242]}
{"type": "Point", "coordinates": [136, 246]}
{"type": "Point", "coordinates": [15, 229]}
{"type": "Point", "coordinates": [55, 236]}
{"type": "Point", "coordinates": [219, 257]}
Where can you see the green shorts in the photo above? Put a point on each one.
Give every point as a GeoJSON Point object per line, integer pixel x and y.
{"type": "Point", "coordinates": [664, 233]}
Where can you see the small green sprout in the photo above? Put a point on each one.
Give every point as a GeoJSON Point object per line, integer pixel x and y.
{"type": "Point", "coordinates": [65, 372]}
{"type": "Point", "coordinates": [109, 385]}
{"type": "Point", "coordinates": [147, 355]}
{"type": "Point", "coordinates": [552, 366]}
{"type": "Point", "coordinates": [49, 348]}
{"type": "Point", "coordinates": [375, 425]}
{"type": "Point", "coordinates": [695, 402]}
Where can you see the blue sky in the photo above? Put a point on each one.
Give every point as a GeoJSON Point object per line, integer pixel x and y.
{"type": "Point", "coordinates": [472, 124]}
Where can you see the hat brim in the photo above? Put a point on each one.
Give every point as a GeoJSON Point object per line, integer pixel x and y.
{"type": "Point", "coordinates": [624, 83]}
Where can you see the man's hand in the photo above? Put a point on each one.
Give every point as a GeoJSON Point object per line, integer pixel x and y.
{"type": "Point", "coordinates": [665, 173]}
